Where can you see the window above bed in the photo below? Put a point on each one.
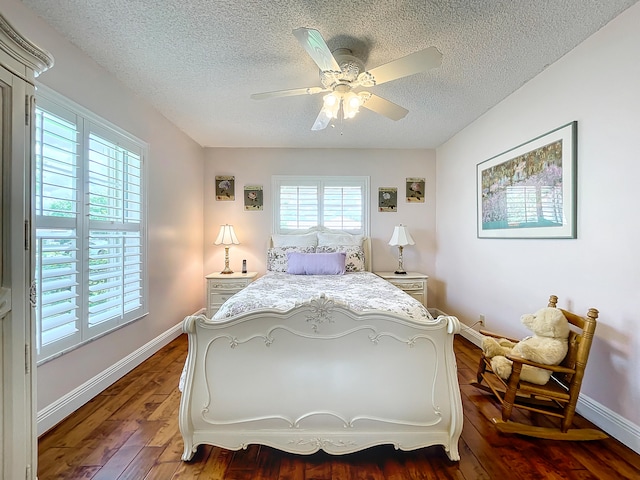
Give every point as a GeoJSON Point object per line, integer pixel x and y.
{"type": "Point", "coordinates": [332, 202]}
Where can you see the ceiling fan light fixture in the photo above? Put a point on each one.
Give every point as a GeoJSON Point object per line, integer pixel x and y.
{"type": "Point", "coordinates": [341, 73]}
{"type": "Point", "coordinates": [330, 100]}
{"type": "Point", "coordinates": [350, 105]}
{"type": "Point", "coordinates": [331, 105]}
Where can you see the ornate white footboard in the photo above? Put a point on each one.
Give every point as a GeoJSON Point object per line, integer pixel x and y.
{"type": "Point", "coordinates": [320, 376]}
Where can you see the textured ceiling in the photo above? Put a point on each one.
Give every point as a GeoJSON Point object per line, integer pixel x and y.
{"type": "Point", "coordinates": [198, 61]}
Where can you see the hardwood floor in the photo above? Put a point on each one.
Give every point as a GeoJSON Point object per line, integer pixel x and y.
{"type": "Point", "coordinates": [130, 431]}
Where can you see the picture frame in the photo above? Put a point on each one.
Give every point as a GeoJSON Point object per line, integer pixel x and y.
{"type": "Point", "coordinates": [253, 199]}
{"type": "Point", "coordinates": [529, 191]}
{"type": "Point", "coordinates": [225, 188]}
{"type": "Point", "coordinates": [415, 190]}
{"type": "Point", "coordinates": [387, 199]}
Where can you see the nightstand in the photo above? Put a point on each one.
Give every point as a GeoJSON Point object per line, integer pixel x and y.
{"type": "Point", "coordinates": [221, 286]}
{"type": "Point", "coordinates": [414, 283]}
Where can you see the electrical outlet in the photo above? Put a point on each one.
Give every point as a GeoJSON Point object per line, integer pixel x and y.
{"type": "Point", "coordinates": [482, 320]}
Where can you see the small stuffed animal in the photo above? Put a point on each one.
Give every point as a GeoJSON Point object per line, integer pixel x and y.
{"type": "Point", "coordinates": [548, 345]}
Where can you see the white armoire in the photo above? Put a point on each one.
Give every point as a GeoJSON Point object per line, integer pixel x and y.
{"type": "Point", "coordinates": [20, 61]}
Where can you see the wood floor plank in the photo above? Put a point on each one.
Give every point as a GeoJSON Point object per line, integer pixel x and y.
{"type": "Point", "coordinates": [216, 465]}
{"type": "Point", "coordinates": [168, 409]}
{"type": "Point", "coordinates": [317, 466]}
{"type": "Point", "coordinates": [162, 471]}
{"type": "Point", "coordinates": [118, 463]}
{"type": "Point", "coordinates": [173, 448]}
{"type": "Point", "coordinates": [130, 431]}
{"type": "Point", "coordinates": [192, 470]}
{"type": "Point", "coordinates": [267, 464]}
{"type": "Point", "coordinates": [291, 468]}
{"type": "Point", "coordinates": [100, 450]}
{"type": "Point", "coordinates": [141, 465]}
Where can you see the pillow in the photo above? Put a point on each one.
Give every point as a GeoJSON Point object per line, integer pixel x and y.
{"type": "Point", "coordinates": [355, 256]}
{"type": "Point", "coordinates": [277, 257]}
{"type": "Point", "coordinates": [339, 239]}
{"type": "Point", "coordinates": [316, 263]}
{"type": "Point", "coordinates": [302, 240]}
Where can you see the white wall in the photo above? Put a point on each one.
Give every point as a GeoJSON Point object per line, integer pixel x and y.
{"type": "Point", "coordinates": [175, 213]}
{"type": "Point", "coordinates": [386, 168]}
{"type": "Point", "coordinates": [597, 85]}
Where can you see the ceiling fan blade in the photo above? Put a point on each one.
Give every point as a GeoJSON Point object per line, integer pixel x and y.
{"type": "Point", "coordinates": [288, 93]}
{"type": "Point", "coordinates": [402, 67]}
{"type": "Point", "coordinates": [385, 107]}
{"type": "Point", "coordinates": [316, 47]}
{"type": "Point", "coordinates": [322, 120]}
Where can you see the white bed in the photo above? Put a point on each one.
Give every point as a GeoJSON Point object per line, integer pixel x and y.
{"type": "Point", "coordinates": [312, 366]}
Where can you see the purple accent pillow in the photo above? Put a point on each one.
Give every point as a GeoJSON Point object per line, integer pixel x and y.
{"type": "Point", "coordinates": [316, 263]}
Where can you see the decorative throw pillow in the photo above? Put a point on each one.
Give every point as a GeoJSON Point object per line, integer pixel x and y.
{"type": "Point", "coordinates": [277, 257]}
{"type": "Point", "coordinates": [297, 240]}
{"type": "Point", "coordinates": [316, 263]}
{"type": "Point", "coordinates": [355, 255]}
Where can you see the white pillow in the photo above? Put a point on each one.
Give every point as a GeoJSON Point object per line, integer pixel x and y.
{"type": "Point", "coordinates": [334, 239]}
{"type": "Point", "coordinates": [302, 240]}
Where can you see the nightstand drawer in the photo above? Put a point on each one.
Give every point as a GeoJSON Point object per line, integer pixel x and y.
{"type": "Point", "coordinates": [221, 287]}
{"type": "Point", "coordinates": [217, 299]}
{"type": "Point", "coordinates": [409, 285]}
{"type": "Point", "coordinates": [234, 286]}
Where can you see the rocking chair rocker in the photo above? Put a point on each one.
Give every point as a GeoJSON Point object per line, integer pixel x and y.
{"type": "Point", "coordinates": [557, 398]}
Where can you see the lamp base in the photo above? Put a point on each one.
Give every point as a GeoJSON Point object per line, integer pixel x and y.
{"type": "Point", "coordinates": [226, 261]}
{"type": "Point", "coordinates": [400, 269]}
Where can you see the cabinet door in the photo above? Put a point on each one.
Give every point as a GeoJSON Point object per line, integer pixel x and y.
{"type": "Point", "coordinates": [17, 431]}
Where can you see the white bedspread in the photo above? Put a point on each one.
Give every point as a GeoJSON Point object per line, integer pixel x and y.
{"type": "Point", "coordinates": [361, 291]}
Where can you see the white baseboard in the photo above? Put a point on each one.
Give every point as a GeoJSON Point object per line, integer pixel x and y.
{"type": "Point", "coordinates": [618, 427]}
{"type": "Point", "coordinates": [57, 411]}
{"type": "Point", "coordinates": [470, 334]}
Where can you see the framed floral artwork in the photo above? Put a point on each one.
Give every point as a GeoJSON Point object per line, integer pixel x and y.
{"type": "Point", "coordinates": [225, 188]}
{"type": "Point", "coordinates": [387, 199]}
{"type": "Point", "coordinates": [415, 190]}
{"type": "Point", "coordinates": [530, 190]}
{"type": "Point", "coordinates": [253, 197]}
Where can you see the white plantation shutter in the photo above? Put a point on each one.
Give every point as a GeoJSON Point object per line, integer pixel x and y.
{"type": "Point", "coordinates": [338, 203]}
{"type": "Point", "coordinates": [298, 206]}
{"type": "Point", "coordinates": [343, 208]}
{"type": "Point", "coordinates": [90, 252]}
{"type": "Point", "coordinates": [115, 236]}
{"type": "Point", "coordinates": [58, 280]}
{"type": "Point", "coordinates": [57, 270]}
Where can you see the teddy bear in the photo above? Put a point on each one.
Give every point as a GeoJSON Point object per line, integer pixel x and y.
{"type": "Point", "coordinates": [548, 345]}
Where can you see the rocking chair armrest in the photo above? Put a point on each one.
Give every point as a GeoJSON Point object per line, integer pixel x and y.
{"type": "Point", "coordinates": [552, 368]}
{"type": "Point", "coordinates": [487, 333]}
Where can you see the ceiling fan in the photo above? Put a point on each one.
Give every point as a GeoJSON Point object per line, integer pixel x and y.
{"type": "Point", "coordinates": [343, 76]}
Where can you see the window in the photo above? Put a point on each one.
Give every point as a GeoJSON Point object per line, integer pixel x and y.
{"type": "Point", "coordinates": [90, 225]}
{"type": "Point", "coordinates": [339, 203]}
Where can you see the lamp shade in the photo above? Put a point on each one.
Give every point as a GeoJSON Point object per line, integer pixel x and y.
{"type": "Point", "coordinates": [226, 236]}
{"type": "Point", "coordinates": [401, 237]}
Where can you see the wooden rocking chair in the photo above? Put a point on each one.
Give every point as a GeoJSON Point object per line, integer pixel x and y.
{"type": "Point", "coordinates": [557, 398]}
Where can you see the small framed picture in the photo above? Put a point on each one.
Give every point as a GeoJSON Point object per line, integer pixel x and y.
{"type": "Point", "coordinates": [225, 188]}
{"type": "Point", "coordinates": [253, 197]}
{"type": "Point", "coordinates": [387, 199]}
{"type": "Point", "coordinates": [415, 190]}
